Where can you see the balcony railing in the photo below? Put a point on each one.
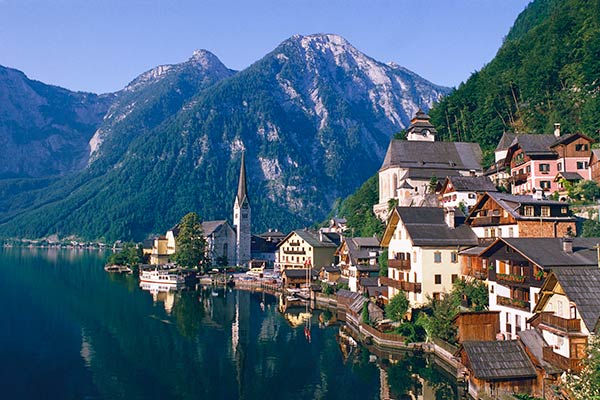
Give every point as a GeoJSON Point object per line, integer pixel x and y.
{"type": "Point", "coordinates": [486, 220]}
{"type": "Point", "coordinates": [510, 278]}
{"type": "Point", "coordinates": [566, 325]}
{"type": "Point", "coordinates": [399, 264]}
{"type": "Point", "coordinates": [293, 251]}
{"type": "Point", "coordinates": [518, 179]}
{"type": "Point", "coordinates": [515, 303]}
{"type": "Point", "coordinates": [412, 287]}
{"type": "Point", "coordinates": [560, 361]}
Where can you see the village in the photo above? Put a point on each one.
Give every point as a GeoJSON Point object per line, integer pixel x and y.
{"type": "Point", "coordinates": [452, 227]}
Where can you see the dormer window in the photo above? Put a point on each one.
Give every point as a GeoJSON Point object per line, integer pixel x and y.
{"type": "Point", "coordinates": [528, 211]}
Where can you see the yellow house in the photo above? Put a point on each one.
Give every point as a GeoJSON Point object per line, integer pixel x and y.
{"type": "Point", "coordinates": [306, 249]}
{"type": "Point", "coordinates": [423, 245]}
{"type": "Point", "coordinates": [159, 253]}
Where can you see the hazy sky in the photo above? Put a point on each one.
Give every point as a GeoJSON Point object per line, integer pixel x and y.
{"type": "Point", "coordinates": [101, 45]}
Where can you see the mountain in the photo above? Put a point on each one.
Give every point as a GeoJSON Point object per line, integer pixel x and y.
{"type": "Point", "coordinates": [545, 72]}
{"type": "Point", "coordinates": [45, 130]}
{"type": "Point", "coordinates": [314, 117]}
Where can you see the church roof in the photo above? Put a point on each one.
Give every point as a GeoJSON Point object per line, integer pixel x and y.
{"type": "Point", "coordinates": [242, 194]}
{"type": "Point", "coordinates": [444, 156]}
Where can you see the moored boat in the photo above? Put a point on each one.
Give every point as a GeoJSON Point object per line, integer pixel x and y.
{"type": "Point", "coordinates": [162, 276]}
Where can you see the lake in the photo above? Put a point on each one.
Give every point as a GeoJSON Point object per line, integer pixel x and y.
{"type": "Point", "coordinates": [72, 331]}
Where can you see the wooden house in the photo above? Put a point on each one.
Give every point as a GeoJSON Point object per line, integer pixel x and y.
{"type": "Point", "coordinates": [506, 215]}
{"type": "Point", "coordinates": [499, 367]}
{"type": "Point", "coordinates": [567, 313]}
{"type": "Point", "coordinates": [477, 325]}
{"type": "Point", "coordinates": [358, 259]}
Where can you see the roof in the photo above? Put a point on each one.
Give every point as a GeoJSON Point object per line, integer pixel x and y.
{"type": "Point", "coordinates": [273, 234]}
{"type": "Point", "coordinates": [570, 176]}
{"type": "Point", "coordinates": [375, 291]}
{"type": "Point", "coordinates": [564, 139]}
{"type": "Point", "coordinates": [548, 252]}
{"type": "Point", "coordinates": [331, 268]}
{"type": "Point", "coordinates": [581, 286]}
{"type": "Point", "coordinates": [595, 153]}
{"type": "Point", "coordinates": [259, 244]}
{"type": "Point", "coordinates": [296, 272]}
{"type": "Point", "coordinates": [499, 360]}
{"type": "Point", "coordinates": [513, 202]}
{"type": "Point", "coordinates": [419, 122]}
{"type": "Point", "coordinates": [419, 154]}
{"type": "Point", "coordinates": [359, 248]}
{"type": "Point", "coordinates": [535, 144]}
{"type": "Point", "coordinates": [242, 195]}
{"type": "Point", "coordinates": [313, 238]}
{"type": "Point", "coordinates": [473, 251]}
{"type": "Point", "coordinates": [471, 184]}
{"type": "Point", "coordinates": [210, 227]}
{"type": "Point", "coordinates": [533, 341]}
{"type": "Point", "coordinates": [506, 140]}
{"type": "Point", "coordinates": [370, 281]}
{"type": "Point", "coordinates": [427, 173]}
{"type": "Point", "coordinates": [426, 227]}
{"type": "Point", "coordinates": [367, 268]}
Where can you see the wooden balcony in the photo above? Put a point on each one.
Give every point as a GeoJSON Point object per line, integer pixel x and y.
{"type": "Point", "coordinates": [518, 179]}
{"type": "Point", "coordinates": [294, 251]}
{"type": "Point", "coordinates": [400, 285]}
{"type": "Point", "coordinates": [559, 361]}
{"type": "Point", "coordinates": [510, 278]}
{"type": "Point", "coordinates": [514, 303]}
{"type": "Point", "coordinates": [565, 325]}
{"type": "Point", "coordinates": [486, 220]}
{"type": "Point", "coordinates": [403, 265]}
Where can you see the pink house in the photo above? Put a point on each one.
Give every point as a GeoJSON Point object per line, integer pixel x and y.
{"type": "Point", "coordinates": [535, 160]}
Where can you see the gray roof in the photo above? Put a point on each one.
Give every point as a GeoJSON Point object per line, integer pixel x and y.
{"type": "Point", "coordinates": [210, 227]}
{"type": "Point", "coordinates": [426, 227]}
{"type": "Point", "coordinates": [370, 281]}
{"type": "Point", "coordinates": [242, 195]}
{"type": "Point", "coordinates": [535, 144]}
{"type": "Point", "coordinates": [419, 122]}
{"type": "Point", "coordinates": [570, 137]}
{"type": "Point", "coordinates": [570, 176]}
{"type": "Point", "coordinates": [473, 251]}
{"type": "Point", "coordinates": [427, 173]}
{"type": "Point", "coordinates": [296, 272]}
{"type": "Point", "coordinates": [506, 140]}
{"type": "Point", "coordinates": [595, 152]}
{"type": "Point", "coordinates": [367, 268]}
{"type": "Point", "coordinates": [548, 252]}
{"type": "Point", "coordinates": [532, 340]}
{"type": "Point", "coordinates": [314, 238]}
{"type": "Point", "coordinates": [360, 247]}
{"type": "Point", "coordinates": [582, 287]}
{"type": "Point", "coordinates": [472, 184]}
{"type": "Point", "coordinates": [499, 360]}
{"type": "Point", "coordinates": [433, 155]}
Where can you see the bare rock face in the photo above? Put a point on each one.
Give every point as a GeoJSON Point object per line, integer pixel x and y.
{"type": "Point", "coordinates": [45, 130]}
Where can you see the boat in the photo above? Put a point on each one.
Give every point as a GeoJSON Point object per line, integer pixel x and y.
{"type": "Point", "coordinates": [162, 276]}
{"type": "Point", "coordinates": [118, 268]}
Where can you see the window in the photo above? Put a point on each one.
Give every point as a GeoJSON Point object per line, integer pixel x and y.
{"type": "Point", "coordinates": [437, 279]}
{"type": "Point", "coordinates": [572, 312]}
{"type": "Point", "coordinates": [545, 211]}
{"type": "Point", "coordinates": [518, 323]}
{"type": "Point", "coordinates": [437, 257]}
{"type": "Point", "coordinates": [511, 232]}
{"type": "Point", "coordinates": [559, 166]}
{"type": "Point", "coordinates": [454, 277]}
{"type": "Point", "coordinates": [528, 211]}
{"type": "Point", "coordinates": [491, 288]}
{"type": "Point", "coordinates": [545, 184]}
{"type": "Point", "coordinates": [544, 168]}
{"type": "Point", "coordinates": [564, 210]}
{"type": "Point", "coordinates": [508, 324]}
{"type": "Point", "coordinates": [528, 169]}
{"type": "Point", "coordinates": [454, 257]}
{"type": "Point", "coordinates": [472, 195]}
{"type": "Point", "coordinates": [582, 164]}
{"type": "Point", "coordinates": [581, 147]}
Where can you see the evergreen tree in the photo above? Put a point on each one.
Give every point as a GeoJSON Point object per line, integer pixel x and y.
{"type": "Point", "coordinates": [191, 245]}
{"type": "Point", "coordinates": [397, 307]}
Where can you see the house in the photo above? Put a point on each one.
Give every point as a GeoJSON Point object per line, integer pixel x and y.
{"type": "Point", "coordinates": [477, 325]}
{"type": "Point", "coordinates": [497, 172]}
{"type": "Point", "coordinates": [534, 160]}
{"type": "Point", "coordinates": [423, 245]}
{"type": "Point", "coordinates": [498, 367]}
{"type": "Point", "coordinates": [594, 163]}
{"type": "Point", "coordinates": [298, 278]}
{"type": "Point", "coordinates": [567, 312]}
{"type": "Point", "coordinates": [463, 191]}
{"type": "Point", "coordinates": [159, 253]}
{"type": "Point", "coordinates": [517, 268]}
{"type": "Point", "coordinates": [410, 165]}
{"type": "Point", "coordinates": [306, 249]}
{"type": "Point", "coordinates": [358, 259]}
{"type": "Point", "coordinates": [505, 215]}
{"type": "Point", "coordinates": [336, 225]}
{"type": "Point", "coordinates": [330, 274]}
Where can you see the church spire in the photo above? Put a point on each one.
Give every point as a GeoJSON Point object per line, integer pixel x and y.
{"type": "Point", "coordinates": [242, 191]}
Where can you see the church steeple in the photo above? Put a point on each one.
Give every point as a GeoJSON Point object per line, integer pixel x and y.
{"type": "Point", "coordinates": [241, 218]}
{"type": "Point", "coordinates": [242, 195]}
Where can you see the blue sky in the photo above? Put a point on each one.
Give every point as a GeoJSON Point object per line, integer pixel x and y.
{"type": "Point", "coordinates": [101, 45]}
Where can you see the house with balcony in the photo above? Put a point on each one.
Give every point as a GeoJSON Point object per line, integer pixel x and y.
{"type": "Point", "coordinates": [464, 191]}
{"type": "Point", "coordinates": [423, 245]}
{"type": "Point", "coordinates": [498, 173]}
{"type": "Point", "coordinates": [358, 259]}
{"type": "Point", "coordinates": [506, 215]}
{"type": "Point", "coordinates": [517, 268]}
{"type": "Point", "coordinates": [534, 160]}
{"type": "Point", "coordinates": [410, 164]}
{"type": "Point", "coordinates": [304, 248]}
{"type": "Point", "coordinates": [567, 312]}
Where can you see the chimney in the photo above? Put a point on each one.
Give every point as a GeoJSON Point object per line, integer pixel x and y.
{"type": "Point", "coordinates": [557, 129]}
{"type": "Point", "coordinates": [449, 217]}
{"type": "Point", "coordinates": [538, 194]}
{"type": "Point", "coordinates": [320, 235]}
{"type": "Point", "coordinates": [567, 245]}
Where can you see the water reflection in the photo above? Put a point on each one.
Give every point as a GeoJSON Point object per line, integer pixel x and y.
{"type": "Point", "coordinates": [90, 334]}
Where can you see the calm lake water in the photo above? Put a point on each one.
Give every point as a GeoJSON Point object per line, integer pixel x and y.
{"type": "Point", "coordinates": [69, 330]}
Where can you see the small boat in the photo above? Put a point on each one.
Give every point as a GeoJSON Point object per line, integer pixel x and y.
{"type": "Point", "coordinates": [162, 276]}
{"type": "Point", "coordinates": [117, 268]}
